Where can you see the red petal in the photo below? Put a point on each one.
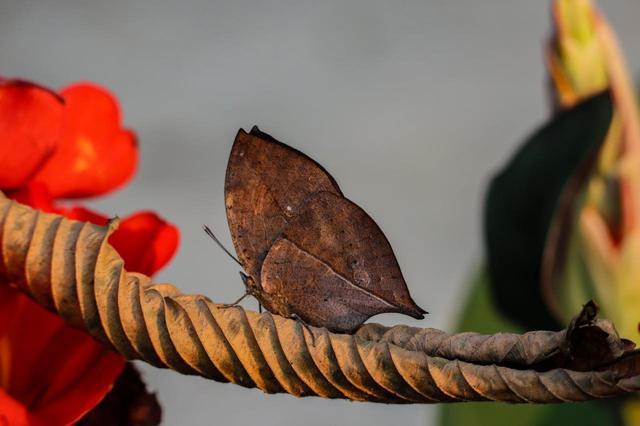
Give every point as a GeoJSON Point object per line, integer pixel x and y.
{"type": "Point", "coordinates": [31, 120]}
{"type": "Point", "coordinates": [146, 242]}
{"type": "Point", "coordinates": [85, 215]}
{"type": "Point", "coordinates": [58, 372]}
{"type": "Point", "coordinates": [80, 383]}
{"type": "Point", "coordinates": [20, 317]}
{"type": "Point", "coordinates": [14, 413]}
{"type": "Point", "coordinates": [96, 154]}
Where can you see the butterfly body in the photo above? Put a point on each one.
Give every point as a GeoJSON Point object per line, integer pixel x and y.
{"type": "Point", "coordinates": [308, 251]}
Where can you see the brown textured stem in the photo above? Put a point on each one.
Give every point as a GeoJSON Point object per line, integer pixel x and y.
{"type": "Point", "coordinates": [70, 268]}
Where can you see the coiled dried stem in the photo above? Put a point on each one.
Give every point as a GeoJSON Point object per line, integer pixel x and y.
{"type": "Point", "coordinates": [70, 268]}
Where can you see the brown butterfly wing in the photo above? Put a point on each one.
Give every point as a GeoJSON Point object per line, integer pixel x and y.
{"type": "Point", "coordinates": [335, 268]}
{"type": "Point", "coordinates": [316, 293]}
{"type": "Point", "coordinates": [265, 186]}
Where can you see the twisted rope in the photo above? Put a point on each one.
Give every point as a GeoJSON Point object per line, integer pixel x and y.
{"type": "Point", "coordinates": [69, 268]}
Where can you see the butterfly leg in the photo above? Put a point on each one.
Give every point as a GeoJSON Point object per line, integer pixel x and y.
{"type": "Point", "coordinates": [259, 307]}
{"type": "Point", "coordinates": [231, 305]}
{"type": "Point", "coordinates": [246, 279]}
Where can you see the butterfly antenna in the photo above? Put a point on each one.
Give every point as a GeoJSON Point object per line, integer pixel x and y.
{"type": "Point", "coordinates": [214, 238]}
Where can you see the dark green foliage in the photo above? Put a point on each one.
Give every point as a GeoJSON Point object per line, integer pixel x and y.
{"type": "Point", "coordinates": [522, 200]}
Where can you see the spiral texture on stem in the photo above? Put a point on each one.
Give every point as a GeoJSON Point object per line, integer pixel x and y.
{"type": "Point", "coordinates": [70, 268]}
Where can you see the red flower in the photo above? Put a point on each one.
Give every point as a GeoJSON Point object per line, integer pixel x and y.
{"type": "Point", "coordinates": [54, 146]}
{"type": "Point", "coordinates": [73, 145]}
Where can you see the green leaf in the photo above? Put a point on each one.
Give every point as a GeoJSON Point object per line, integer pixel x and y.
{"type": "Point", "coordinates": [523, 198]}
{"type": "Point", "coordinates": [480, 314]}
{"type": "Point", "coordinates": [592, 413]}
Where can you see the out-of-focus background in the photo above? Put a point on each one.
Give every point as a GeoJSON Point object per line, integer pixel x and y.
{"type": "Point", "coordinates": [410, 105]}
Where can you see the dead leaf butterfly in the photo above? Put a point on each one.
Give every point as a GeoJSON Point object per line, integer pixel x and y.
{"type": "Point", "coordinates": [307, 251]}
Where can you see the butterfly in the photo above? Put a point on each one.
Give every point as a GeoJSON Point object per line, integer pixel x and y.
{"type": "Point", "coordinates": [307, 251]}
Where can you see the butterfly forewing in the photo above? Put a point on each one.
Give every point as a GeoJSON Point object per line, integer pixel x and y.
{"type": "Point", "coordinates": [265, 188]}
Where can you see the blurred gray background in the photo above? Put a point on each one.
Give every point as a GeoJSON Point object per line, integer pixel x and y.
{"type": "Point", "coordinates": [410, 105]}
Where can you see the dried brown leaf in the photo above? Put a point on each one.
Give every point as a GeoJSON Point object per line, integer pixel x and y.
{"type": "Point", "coordinates": [192, 335]}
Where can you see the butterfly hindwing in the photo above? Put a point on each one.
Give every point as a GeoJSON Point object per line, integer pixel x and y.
{"type": "Point", "coordinates": [314, 292]}
{"type": "Point", "coordinates": [334, 266]}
